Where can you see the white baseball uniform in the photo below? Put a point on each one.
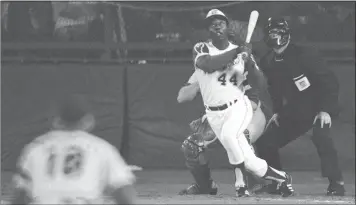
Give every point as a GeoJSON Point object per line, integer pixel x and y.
{"type": "Point", "coordinates": [225, 87]}
{"type": "Point", "coordinates": [71, 167]}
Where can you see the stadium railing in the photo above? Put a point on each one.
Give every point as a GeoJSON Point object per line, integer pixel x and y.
{"type": "Point", "coordinates": [332, 52]}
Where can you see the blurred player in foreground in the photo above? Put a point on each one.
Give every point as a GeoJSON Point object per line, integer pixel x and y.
{"type": "Point", "coordinates": [68, 165]}
{"type": "Point", "coordinates": [219, 75]}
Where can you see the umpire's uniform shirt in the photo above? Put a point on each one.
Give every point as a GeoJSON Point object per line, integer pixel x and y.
{"type": "Point", "coordinates": [300, 86]}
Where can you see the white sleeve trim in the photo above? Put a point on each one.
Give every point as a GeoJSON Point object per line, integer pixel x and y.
{"type": "Point", "coordinates": [199, 52]}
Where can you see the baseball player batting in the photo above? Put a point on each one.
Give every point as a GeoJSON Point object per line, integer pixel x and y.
{"type": "Point", "coordinates": [201, 130]}
{"type": "Point", "coordinates": [254, 130]}
{"type": "Point", "coordinates": [70, 166]}
{"type": "Point", "coordinates": [219, 72]}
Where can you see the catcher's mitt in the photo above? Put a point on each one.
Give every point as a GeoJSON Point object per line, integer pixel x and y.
{"type": "Point", "coordinates": [202, 126]}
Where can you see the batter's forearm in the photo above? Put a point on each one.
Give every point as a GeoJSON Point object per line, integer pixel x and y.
{"type": "Point", "coordinates": [218, 62]}
{"type": "Point", "coordinates": [188, 93]}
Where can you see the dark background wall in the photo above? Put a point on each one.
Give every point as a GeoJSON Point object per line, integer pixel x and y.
{"type": "Point", "coordinates": [157, 124]}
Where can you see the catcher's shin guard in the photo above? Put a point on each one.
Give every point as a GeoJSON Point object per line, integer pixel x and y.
{"type": "Point", "coordinates": [199, 167]}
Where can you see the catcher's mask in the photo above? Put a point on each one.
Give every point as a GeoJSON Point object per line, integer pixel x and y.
{"type": "Point", "coordinates": [276, 33]}
{"type": "Point", "coordinates": [215, 14]}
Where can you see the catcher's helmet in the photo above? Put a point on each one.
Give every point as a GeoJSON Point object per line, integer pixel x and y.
{"type": "Point", "coordinates": [215, 13]}
{"type": "Point", "coordinates": [276, 33]}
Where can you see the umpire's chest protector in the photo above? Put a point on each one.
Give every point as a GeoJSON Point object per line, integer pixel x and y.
{"type": "Point", "coordinates": [295, 82]}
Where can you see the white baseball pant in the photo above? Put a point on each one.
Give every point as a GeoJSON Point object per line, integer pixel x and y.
{"type": "Point", "coordinates": [231, 122]}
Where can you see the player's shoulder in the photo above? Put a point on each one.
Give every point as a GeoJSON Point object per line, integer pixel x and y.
{"type": "Point", "coordinates": [46, 137]}
{"type": "Point", "coordinates": [41, 140]}
{"type": "Point", "coordinates": [99, 143]}
{"type": "Point", "coordinates": [36, 144]}
{"type": "Point", "coordinates": [51, 138]}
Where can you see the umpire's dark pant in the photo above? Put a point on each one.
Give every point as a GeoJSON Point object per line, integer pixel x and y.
{"type": "Point", "coordinates": [290, 129]}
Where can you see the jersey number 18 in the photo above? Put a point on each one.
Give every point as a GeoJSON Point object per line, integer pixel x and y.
{"type": "Point", "coordinates": [72, 165]}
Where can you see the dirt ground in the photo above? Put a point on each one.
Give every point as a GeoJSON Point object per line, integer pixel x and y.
{"type": "Point", "coordinates": [162, 186]}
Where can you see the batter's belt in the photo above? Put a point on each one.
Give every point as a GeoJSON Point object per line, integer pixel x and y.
{"type": "Point", "coordinates": [221, 107]}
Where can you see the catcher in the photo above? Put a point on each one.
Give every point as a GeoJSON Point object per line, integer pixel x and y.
{"type": "Point", "coordinates": [202, 136]}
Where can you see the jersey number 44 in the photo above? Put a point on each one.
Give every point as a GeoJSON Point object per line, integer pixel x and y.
{"type": "Point", "coordinates": [233, 79]}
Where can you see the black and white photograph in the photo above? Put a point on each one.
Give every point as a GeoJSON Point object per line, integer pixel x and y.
{"type": "Point", "coordinates": [177, 102]}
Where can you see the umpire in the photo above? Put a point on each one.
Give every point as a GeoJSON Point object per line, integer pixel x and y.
{"type": "Point", "coordinates": [304, 93]}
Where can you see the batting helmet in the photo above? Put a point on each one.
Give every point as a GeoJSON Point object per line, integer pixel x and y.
{"type": "Point", "coordinates": [215, 13]}
{"type": "Point", "coordinates": [276, 33]}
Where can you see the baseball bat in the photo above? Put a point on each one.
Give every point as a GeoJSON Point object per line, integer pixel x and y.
{"type": "Point", "coordinates": [251, 25]}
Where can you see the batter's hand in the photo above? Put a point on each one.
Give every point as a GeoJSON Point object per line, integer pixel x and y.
{"type": "Point", "coordinates": [245, 50]}
{"type": "Point", "coordinates": [273, 119]}
{"type": "Point", "coordinates": [324, 118]}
